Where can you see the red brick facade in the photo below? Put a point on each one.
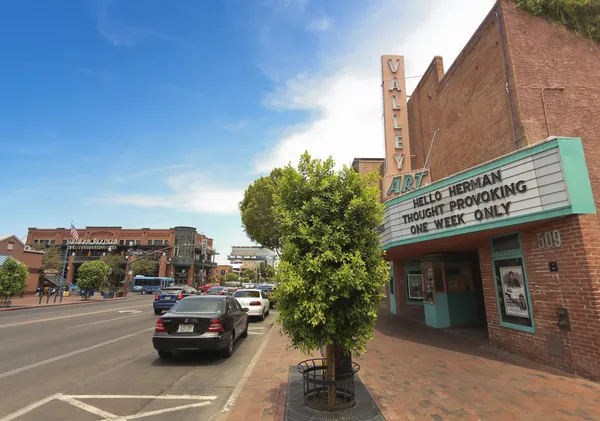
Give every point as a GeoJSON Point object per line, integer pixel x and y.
{"type": "Point", "coordinates": [12, 246]}
{"type": "Point", "coordinates": [554, 90]}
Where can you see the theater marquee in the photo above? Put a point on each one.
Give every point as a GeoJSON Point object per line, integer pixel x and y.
{"type": "Point", "coordinates": [528, 185]}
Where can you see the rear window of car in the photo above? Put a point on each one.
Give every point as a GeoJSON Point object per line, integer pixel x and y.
{"type": "Point", "coordinates": [199, 306]}
{"type": "Point", "coordinates": [171, 291]}
{"type": "Point", "coordinates": [216, 289]}
{"type": "Point", "coordinates": [247, 294]}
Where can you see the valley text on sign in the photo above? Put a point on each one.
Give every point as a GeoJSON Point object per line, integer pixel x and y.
{"type": "Point", "coordinates": [502, 191]}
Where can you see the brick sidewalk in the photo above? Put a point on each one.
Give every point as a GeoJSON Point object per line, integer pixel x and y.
{"type": "Point", "coordinates": [31, 301]}
{"type": "Point", "coordinates": [418, 373]}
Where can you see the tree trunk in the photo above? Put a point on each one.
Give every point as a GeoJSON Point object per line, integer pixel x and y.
{"type": "Point", "coordinates": [330, 355]}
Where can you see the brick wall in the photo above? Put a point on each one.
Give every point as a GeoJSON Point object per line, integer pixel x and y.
{"type": "Point", "coordinates": [575, 286]}
{"type": "Point", "coordinates": [33, 260]}
{"type": "Point", "coordinates": [545, 55]}
{"type": "Point", "coordinates": [469, 104]}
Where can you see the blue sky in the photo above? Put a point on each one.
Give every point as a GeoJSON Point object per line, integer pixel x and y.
{"type": "Point", "coordinates": [161, 115]}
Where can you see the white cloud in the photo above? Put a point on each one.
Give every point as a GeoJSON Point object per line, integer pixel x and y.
{"type": "Point", "coordinates": [319, 25]}
{"type": "Point", "coordinates": [191, 192]}
{"type": "Point", "coordinates": [344, 96]}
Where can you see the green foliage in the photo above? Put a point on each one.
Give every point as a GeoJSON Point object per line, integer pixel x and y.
{"type": "Point", "coordinates": [144, 267]}
{"type": "Point", "coordinates": [231, 277]}
{"type": "Point", "coordinates": [90, 275]}
{"type": "Point", "coordinates": [117, 264]}
{"type": "Point", "coordinates": [581, 16]}
{"type": "Point", "coordinates": [267, 273]}
{"type": "Point", "coordinates": [248, 275]}
{"type": "Point", "coordinates": [52, 259]}
{"type": "Point", "coordinates": [256, 208]}
{"type": "Point", "coordinates": [332, 270]}
{"type": "Point", "coordinates": [13, 277]}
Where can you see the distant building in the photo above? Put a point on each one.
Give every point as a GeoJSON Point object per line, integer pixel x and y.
{"type": "Point", "coordinates": [12, 246]}
{"type": "Point", "coordinates": [182, 252]}
{"type": "Point", "coordinates": [250, 257]}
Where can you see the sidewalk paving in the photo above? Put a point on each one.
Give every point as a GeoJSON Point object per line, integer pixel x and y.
{"type": "Point", "coordinates": [414, 372]}
{"type": "Point", "coordinates": [31, 301]}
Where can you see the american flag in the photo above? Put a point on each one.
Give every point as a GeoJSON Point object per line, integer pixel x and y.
{"type": "Point", "coordinates": [74, 233]}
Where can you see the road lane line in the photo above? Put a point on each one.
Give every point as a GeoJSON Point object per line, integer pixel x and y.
{"type": "Point", "coordinates": [159, 397]}
{"type": "Point", "coordinates": [29, 408]}
{"type": "Point", "coordinates": [255, 328]}
{"type": "Point", "coordinates": [103, 321]}
{"type": "Point", "coordinates": [70, 354]}
{"type": "Point", "coordinates": [162, 411]}
{"type": "Point", "coordinates": [86, 407]}
{"type": "Point", "coordinates": [68, 317]}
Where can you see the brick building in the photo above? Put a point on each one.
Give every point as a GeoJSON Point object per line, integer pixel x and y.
{"type": "Point", "coordinates": [181, 252]}
{"type": "Point", "coordinates": [491, 190]}
{"type": "Point", "coordinates": [12, 246]}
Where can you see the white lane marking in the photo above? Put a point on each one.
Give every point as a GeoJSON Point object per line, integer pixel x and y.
{"type": "Point", "coordinates": [130, 311]}
{"type": "Point", "coordinates": [255, 328]}
{"type": "Point", "coordinates": [70, 354]}
{"type": "Point", "coordinates": [28, 408]}
{"type": "Point", "coordinates": [160, 397]}
{"type": "Point", "coordinates": [161, 411]}
{"type": "Point", "coordinates": [254, 333]}
{"type": "Point", "coordinates": [65, 317]}
{"type": "Point", "coordinates": [74, 400]}
{"type": "Point", "coordinates": [102, 321]}
{"type": "Point", "coordinates": [86, 407]}
{"type": "Point", "coordinates": [242, 382]}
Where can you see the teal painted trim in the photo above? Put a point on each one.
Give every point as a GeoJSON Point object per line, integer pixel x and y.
{"type": "Point", "coordinates": [406, 299]}
{"type": "Point", "coordinates": [512, 255]}
{"type": "Point", "coordinates": [555, 213]}
{"type": "Point", "coordinates": [392, 286]}
{"type": "Point", "coordinates": [577, 177]}
{"type": "Point", "coordinates": [437, 315]}
{"type": "Point", "coordinates": [507, 159]}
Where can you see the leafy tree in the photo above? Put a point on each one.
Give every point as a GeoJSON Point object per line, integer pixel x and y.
{"type": "Point", "coordinates": [256, 208]}
{"type": "Point", "coordinates": [13, 277]}
{"type": "Point", "coordinates": [267, 273]}
{"type": "Point", "coordinates": [248, 275]}
{"type": "Point", "coordinates": [90, 275]}
{"type": "Point", "coordinates": [52, 259]}
{"type": "Point", "coordinates": [231, 277]}
{"type": "Point", "coordinates": [332, 270]}
{"type": "Point", "coordinates": [117, 264]}
{"type": "Point", "coordinates": [144, 267]}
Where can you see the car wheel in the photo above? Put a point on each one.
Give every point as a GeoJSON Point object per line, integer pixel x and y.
{"type": "Point", "coordinates": [144, 292]}
{"type": "Point", "coordinates": [165, 354]}
{"type": "Point", "coordinates": [262, 317]}
{"type": "Point", "coordinates": [268, 311]}
{"type": "Point", "coordinates": [229, 350]}
{"type": "Point", "coordinates": [245, 332]}
{"type": "Point", "coordinates": [157, 312]}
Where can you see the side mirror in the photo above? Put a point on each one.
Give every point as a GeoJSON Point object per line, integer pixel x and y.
{"type": "Point", "coordinates": [246, 310]}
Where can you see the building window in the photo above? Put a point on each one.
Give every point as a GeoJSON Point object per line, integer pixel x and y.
{"type": "Point", "coordinates": [150, 242]}
{"type": "Point", "coordinates": [52, 242]}
{"type": "Point", "coordinates": [121, 242]}
{"type": "Point", "coordinates": [512, 289]}
{"type": "Point", "coordinates": [35, 241]}
{"type": "Point", "coordinates": [64, 242]}
{"type": "Point", "coordinates": [158, 242]}
{"type": "Point", "coordinates": [138, 242]}
{"type": "Point", "coordinates": [166, 242]}
{"type": "Point", "coordinates": [222, 272]}
{"type": "Point", "coordinates": [10, 246]}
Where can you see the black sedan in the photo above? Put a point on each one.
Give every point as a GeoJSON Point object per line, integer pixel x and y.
{"type": "Point", "coordinates": [201, 323]}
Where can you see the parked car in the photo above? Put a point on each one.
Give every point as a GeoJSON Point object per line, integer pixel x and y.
{"type": "Point", "coordinates": [255, 300]}
{"type": "Point", "coordinates": [248, 286]}
{"type": "Point", "coordinates": [168, 297]}
{"type": "Point", "coordinates": [268, 289]}
{"type": "Point", "coordinates": [201, 323]}
{"type": "Point", "coordinates": [217, 291]}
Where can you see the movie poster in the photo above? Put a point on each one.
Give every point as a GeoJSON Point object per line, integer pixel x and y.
{"type": "Point", "coordinates": [513, 288]}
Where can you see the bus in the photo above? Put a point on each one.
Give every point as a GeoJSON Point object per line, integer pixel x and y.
{"type": "Point", "coordinates": [150, 284]}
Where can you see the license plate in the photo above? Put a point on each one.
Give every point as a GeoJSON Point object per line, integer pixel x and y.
{"type": "Point", "coordinates": [185, 328]}
{"type": "Point", "coordinates": [167, 297]}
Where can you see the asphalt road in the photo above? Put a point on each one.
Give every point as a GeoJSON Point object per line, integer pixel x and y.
{"type": "Point", "coordinates": [96, 362]}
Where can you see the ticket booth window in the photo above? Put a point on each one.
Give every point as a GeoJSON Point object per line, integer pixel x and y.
{"type": "Point", "coordinates": [433, 280]}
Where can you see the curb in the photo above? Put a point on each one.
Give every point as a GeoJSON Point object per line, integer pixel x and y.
{"type": "Point", "coordinates": [62, 305]}
{"type": "Point", "coordinates": [223, 414]}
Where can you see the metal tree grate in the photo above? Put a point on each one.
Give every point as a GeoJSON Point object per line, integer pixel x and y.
{"type": "Point", "coordinates": [316, 385]}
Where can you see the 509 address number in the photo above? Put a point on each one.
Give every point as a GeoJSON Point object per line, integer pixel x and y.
{"type": "Point", "coordinates": [549, 239]}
